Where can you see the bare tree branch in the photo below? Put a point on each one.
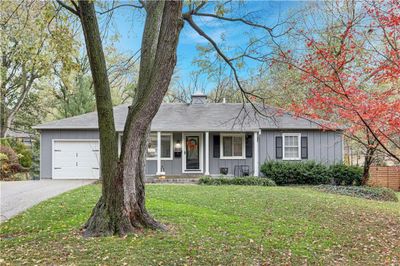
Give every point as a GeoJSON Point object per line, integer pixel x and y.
{"type": "Point", "coordinates": [12, 14]}
{"type": "Point", "coordinates": [69, 8]}
{"type": "Point", "coordinates": [247, 22]}
{"type": "Point", "coordinates": [118, 6]}
{"type": "Point", "coordinates": [245, 94]}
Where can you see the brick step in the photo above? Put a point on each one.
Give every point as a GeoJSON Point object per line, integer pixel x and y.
{"type": "Point", "coordinates": [172, 180]}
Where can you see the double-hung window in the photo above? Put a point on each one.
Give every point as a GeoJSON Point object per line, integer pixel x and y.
{"type": "Point", "coordinates": [291, 146]}
{"type": "Point", "coordinates": [232, 146]}
{"type": "Point", "coordinates": [166, 146]}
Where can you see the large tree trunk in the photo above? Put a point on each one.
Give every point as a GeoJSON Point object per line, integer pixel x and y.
{"type": "Point", "coordinates": [121, 209]}
{"type": "Point", "coordinates": [108, 138]}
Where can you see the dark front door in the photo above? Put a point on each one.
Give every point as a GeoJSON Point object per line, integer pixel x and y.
{"type": "Point", "coordinates": [192, 153]}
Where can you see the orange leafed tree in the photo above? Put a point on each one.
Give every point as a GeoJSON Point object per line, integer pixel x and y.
{"type": "Point", "coordinates": [355, 79]}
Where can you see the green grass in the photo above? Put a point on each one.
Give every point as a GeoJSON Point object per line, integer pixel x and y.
{"type": "Point", "coordinates": [227, 225]}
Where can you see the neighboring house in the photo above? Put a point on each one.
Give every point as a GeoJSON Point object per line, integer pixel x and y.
{"type": "Point", "coordinates": [199, 138]}
{"type": "Point", "coordinates": [24, 137]}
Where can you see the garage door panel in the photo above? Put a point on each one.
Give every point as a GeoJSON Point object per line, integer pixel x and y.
{"type": "Point", "coordinates": [88, 164]}
{"type": "Point", "coordinates": [74, 172]}
{"type": "Point", "coordinates": [61, 163]}
{"type": "Point", "coordinates": [77, 159]}
{"type": "Point", "coordinates": [63, 153]}
{"type": "Point", "coordinates": [64, 157]}
{"type": "Point", "coordinates": [73, 146]}
{"type": "Point", "coordinates": [88, 156]}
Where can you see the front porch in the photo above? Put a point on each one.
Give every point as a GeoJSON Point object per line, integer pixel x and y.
{"type": "Point", "coordinates": [194, 154]}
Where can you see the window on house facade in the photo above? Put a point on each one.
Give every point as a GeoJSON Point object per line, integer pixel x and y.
{"type": "Point", "coordinates": [233, 146]}
{"type": "Point", "coordinates": [291, 146]}
{"type": "Point", "coordinates": [166, 147]}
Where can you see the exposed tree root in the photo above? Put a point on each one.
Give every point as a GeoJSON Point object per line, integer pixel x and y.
{"type": "Point", "coordinates": [102, 223]}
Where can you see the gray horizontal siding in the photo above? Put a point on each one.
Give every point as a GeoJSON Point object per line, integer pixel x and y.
{"type": "Point", "coordinates": [217, 163]}
{"type": "Point", "coordinates": [46, 138]}
{"type": "Point", "coordinates": [323, 146]}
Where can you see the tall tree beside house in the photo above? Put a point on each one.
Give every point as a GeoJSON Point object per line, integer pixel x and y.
{"type": "Point", "coordinates": [352, 74]}
{"type": "Point", "coordinates": [32, 42]}
{"type": "Point", "coordinates": [121, 208]}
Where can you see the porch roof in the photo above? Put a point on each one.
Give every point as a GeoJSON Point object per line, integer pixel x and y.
{"type": "Point", "coordinates": [174, 117]}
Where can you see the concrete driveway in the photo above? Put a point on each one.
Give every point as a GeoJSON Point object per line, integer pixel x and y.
{"type": "Point", "coordinates": [17, 196]}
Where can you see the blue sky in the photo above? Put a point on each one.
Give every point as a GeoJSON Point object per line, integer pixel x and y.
{"type": "Point", "coordinates": [129, 24]}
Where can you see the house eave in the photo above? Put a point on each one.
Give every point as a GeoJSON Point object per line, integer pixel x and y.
{"type": "Point", "coordinates": [153, 129]}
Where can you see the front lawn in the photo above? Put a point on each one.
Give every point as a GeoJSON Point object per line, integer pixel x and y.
{"type": "Point", "coordinates": [225, 225]}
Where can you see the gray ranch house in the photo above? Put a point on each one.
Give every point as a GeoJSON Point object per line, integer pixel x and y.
{"type": "Point", "coordinates": [199, 138]}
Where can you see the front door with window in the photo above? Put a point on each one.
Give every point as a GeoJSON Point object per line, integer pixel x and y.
{"type": "Point", "coordinates": [193, 153]}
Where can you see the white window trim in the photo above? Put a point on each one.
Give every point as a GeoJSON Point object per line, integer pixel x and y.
{"type": "Point", "coordinates": [283, 146]}
{"type": "Point", "coordinates": [171, 149]}
{"type": "Point", "coordinates": [221, 151]}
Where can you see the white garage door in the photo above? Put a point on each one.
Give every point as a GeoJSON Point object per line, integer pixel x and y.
{"type": "Point", "coordinates": [77, 159]}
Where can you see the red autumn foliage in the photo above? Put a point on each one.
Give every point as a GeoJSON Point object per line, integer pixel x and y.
{"type": "Point", "coordinates": [356, 81]}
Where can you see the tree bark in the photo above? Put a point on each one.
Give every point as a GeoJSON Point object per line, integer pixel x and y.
{"type": "Point", "coordinates": [104, 211]}
{"type": "Point", "coordinates": [121, 209]}
{"type": "Point", "coordinates": [368, 159]}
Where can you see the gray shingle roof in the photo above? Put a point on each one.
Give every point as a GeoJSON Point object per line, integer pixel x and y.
{"type": "Point", "coordinates": [195, 117]}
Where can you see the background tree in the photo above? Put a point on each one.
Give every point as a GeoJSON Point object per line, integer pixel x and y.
{"type": "Point", "coordinates": [73, 90]}
{"type": "Point", "coordinates": [32, 42]}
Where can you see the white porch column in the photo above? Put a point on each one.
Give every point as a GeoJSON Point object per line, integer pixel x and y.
{"type": "Point", "coordinates": [158, 153]}
{"type": "Point", "coordinates": [207, 170]}
{"type": "Point", "coordinates": [256, 165]}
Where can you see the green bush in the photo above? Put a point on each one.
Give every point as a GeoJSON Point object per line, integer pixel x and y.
{"type": "Point", "coordinates": [23, 152]}
{"type": "Point", "coordinates": [243, 181]}
{"type": "Point", "coordinates": [3, 157]}
{"type": "Point", "coordinates": [372, 193]}
{"type": "Point", "coordinates": [341, 174]}
{"type": "Point", "coordinates": [311, 173]}
{"type": "Point", "coordinates": [4, 142]}
{"type": "Point", "coordinates": [35, 168]}
{"type": "Point", "coordinates": [286, 173]}
{"type": "Point", "coordinates": [26, 159]}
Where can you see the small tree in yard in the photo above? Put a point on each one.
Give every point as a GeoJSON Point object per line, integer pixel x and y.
{"type": "Point", "coordinates": [353, 78]}
{"type": "Point", "coordinates": [121, 208]}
